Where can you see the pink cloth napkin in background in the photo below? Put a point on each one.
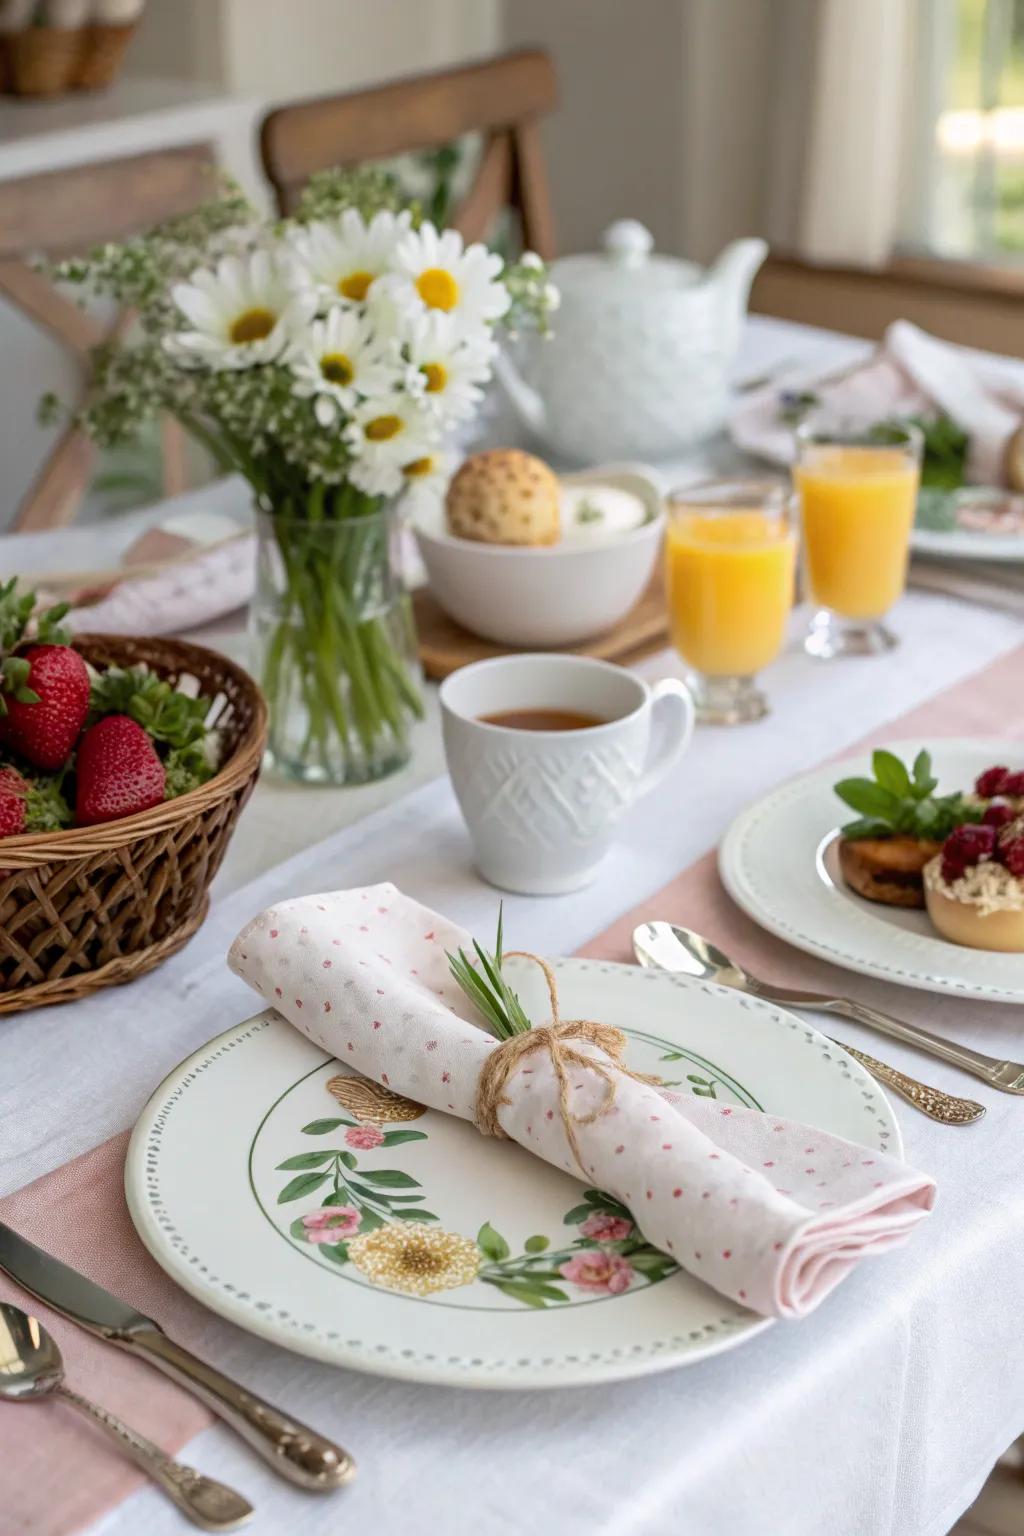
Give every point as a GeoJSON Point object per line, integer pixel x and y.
{"type": "Point", "coordinates": [771, 1213]}
{"type": "Point", "coordinates": [911, 374]}
{"type": "Point", "coordinates": [216, 580]}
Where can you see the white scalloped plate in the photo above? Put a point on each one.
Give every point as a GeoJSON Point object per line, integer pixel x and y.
{"type": "Point", "coordinates": [203, 1183]}
{"type": "Point", "coordinates": [777, 862]}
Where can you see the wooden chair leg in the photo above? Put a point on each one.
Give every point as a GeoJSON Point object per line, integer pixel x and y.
{"type": "Point", "coordinates": [54, 496]}
{"type": "Point", "coordinates": [534, 199]}
{"type": "Point", "coordinates": [172, 447]}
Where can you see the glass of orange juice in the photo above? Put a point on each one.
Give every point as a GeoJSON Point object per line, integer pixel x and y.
{"type": "Point", "coordinates": [730, 559]}
{"type": "Point", "coordinates": [857, 483]}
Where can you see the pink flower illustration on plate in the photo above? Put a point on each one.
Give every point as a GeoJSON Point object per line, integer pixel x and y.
{"type": "Point", "coordinates": [331, 1224]}
{"type": "Point", "coordinates": [604, 1227]}
{"type": "Point", "coordinates": [365, 1137]}
{"type": "Point", "coordinates": [599, 1270]}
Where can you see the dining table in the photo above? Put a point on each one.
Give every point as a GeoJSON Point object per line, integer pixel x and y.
{"type": "Point", "coordinates": [881, 1414]}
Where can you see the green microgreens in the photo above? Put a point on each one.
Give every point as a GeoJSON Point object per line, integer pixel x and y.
{"type": "Point", "coordinates": [487, 988]}
{"type": "Point", "coordinates": [900, 802]}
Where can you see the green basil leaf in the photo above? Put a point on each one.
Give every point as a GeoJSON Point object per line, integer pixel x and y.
{"type": "Point", "coordinates": [890, 772]}
{"type": "Point", "coordinates": [868, 798]}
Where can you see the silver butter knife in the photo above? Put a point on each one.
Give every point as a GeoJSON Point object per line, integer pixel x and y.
{"type": "Point", "coordinates": [293, 1450]}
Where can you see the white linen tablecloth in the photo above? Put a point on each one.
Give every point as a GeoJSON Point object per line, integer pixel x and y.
{"type": "Point", "coordinates": [879, 1416]}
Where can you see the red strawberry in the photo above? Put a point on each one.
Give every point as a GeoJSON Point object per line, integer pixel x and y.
{"type": "Point", "coordinates": [45, 732]}
{"type": "Point", "coordinates": [13, 791]}
{"type": "Point", "coordinates": [119, 771]}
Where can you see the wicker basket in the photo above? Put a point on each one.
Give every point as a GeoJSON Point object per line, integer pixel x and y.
{"type": "Point", "coordinates": [95, 906]}
{"type": "Point", "coordinates": [44, 61]}
{"type": "Point", "coordinates": [102, 55]}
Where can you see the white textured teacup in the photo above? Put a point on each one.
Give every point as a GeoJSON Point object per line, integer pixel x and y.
{"type": "Point", "coordinates": [542, 806]}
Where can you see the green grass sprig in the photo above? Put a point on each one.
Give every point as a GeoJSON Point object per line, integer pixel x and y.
{"type": "Point", "coordinates": [487, 989]}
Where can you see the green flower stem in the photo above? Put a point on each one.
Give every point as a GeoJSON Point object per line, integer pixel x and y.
{"type": "Point", "coordinates": [331, 643]}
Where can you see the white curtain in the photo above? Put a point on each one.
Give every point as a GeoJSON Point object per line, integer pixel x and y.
{"type": "Point", "coordinates": [841, 73]}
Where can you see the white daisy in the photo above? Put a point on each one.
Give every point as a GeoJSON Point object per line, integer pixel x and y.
{"type": "Point", "coordinates": [337, 360]}
{"type": "Point", "coordinates": [446, 369]}
{"type": "Point", "coordinates": [242, 312]}
{"type": "Point", "coordinates": [429, 474]}
{"type": "Point", "coordinates": [385, 434]}
{"type": "Point", "coordinates": [343, 259]}
{"type": "Point", "coordinates": [436, 272]}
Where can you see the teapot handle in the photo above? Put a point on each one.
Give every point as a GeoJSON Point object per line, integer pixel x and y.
{"type": "Point", "coordinates": [734, 273]}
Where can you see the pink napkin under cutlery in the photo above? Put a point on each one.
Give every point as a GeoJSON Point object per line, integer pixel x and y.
{"type": "Point", "coordinates": [771, 1213]}
{"type": "Point", "coordinates": [911, 373]}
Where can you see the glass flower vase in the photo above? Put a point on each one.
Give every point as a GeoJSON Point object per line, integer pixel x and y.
{"type": "Point", "coordinates": [334, 638]}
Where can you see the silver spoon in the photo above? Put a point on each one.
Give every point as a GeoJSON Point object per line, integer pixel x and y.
{"type": "Point", "coordinates": [31, 1368]}
{"type": "Point", "coordinates": [668, 947]}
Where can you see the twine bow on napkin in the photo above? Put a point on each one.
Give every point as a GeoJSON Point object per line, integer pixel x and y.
{"type": "Point", "coordinates": [510, 1054]}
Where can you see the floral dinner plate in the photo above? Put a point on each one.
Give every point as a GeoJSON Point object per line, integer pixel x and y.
{"type": "Point", "coordinates": [323, 1212]}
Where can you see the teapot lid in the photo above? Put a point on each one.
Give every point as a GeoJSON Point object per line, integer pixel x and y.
{"type": "Point", "coordinates": [627, 254]}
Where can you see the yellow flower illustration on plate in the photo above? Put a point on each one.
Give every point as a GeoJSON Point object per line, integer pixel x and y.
{"type": "Point", "coordinates": [416, 1259]}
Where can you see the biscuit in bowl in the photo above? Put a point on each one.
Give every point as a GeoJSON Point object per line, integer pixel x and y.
{"type": "Point", "coordinates": [505, 496]}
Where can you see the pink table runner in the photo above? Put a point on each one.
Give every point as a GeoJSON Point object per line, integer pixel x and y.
{"type": "Point", "coordinates": [78, 1211]}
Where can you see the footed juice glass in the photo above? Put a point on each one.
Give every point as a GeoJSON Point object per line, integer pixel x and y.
{"type": "Point", "coordinates": [857, 483]}
{"type": "Point", "coordinates": [730, 561]}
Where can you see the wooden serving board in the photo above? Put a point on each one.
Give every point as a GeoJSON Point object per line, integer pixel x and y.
{"type": "Point", "coordinates": [445, 646]}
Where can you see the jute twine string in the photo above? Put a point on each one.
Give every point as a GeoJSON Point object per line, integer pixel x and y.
{"type": "Point", "coordinates": [509, 1055]}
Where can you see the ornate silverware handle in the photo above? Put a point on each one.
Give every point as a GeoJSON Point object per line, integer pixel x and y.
{"type": "Point", "coordinates": [207, 1503]}
{"type": "Point", "coordinates": [933, 1102]}
{"type": "Point", "coordinates": [292, 1449]}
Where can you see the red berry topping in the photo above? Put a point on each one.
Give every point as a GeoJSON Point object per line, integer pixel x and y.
{"type": "Point", "coordinates": [1012, 855]}
{"type": "Point", "coordinates": [998, 814]}
{"type": "Point", "coordinates": [964, 847]}
{"type": "Point", "coordinates": [991, 782]}
{"type": "Point", "coordinates": [1014, 783]}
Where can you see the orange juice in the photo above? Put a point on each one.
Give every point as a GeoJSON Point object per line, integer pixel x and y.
{"type": "Point", "coordinates": [857, 507]}
{"type": "Point", "coordinates": [730, 588]}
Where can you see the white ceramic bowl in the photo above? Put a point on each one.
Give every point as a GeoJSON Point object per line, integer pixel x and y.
{"type": "Point", "coordinates": [561, 594]}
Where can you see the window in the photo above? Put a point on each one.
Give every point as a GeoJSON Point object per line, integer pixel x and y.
{"type": "Point", "coordinates": [966, 197]}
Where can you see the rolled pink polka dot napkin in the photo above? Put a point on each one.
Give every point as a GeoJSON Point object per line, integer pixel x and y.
{"type": "Point", "coordinates": [771, 1213]}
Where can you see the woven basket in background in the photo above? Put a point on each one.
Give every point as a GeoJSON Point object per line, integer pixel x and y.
{"type": "Point", "coordinates": [44, 61]}
{"type": "Point", "coordinates": [102, 55]}
{"type": "Point", "coordinates": [93, 906]}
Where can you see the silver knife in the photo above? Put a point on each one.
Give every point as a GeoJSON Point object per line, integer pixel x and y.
{"type": "Point", "coordinates": [297, 1453]}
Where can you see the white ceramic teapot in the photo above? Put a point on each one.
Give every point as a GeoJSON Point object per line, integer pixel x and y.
{"type": "Point", "coordinates": [638, 363]}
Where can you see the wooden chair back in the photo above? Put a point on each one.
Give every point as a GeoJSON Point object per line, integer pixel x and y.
{"type": "Point", "coordinates": [57, 214]}
{"type": "Point", "coordinates": [502, 98]}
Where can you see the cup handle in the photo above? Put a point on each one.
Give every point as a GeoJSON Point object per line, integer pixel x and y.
{"type": "Point", "coordinates": [674, 698]}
